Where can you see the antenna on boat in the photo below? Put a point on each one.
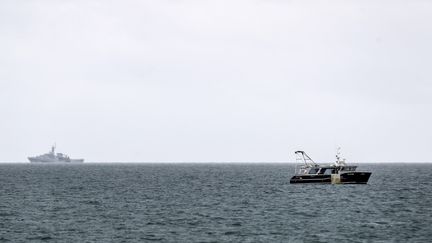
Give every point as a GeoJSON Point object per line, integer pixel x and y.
{"type": "Point", "coordinates": [339, 160]}
{"type": "Point", "coordinates": [302, 156]}
{"type": "Point", "coordinates": [53, 148]}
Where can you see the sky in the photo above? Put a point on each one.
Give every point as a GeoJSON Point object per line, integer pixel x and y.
{"type": "Point", "coordinates": [216, 81]}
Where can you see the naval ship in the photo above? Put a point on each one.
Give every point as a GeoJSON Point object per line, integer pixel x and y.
{"type": "Point", "coordinates": [53, 157]}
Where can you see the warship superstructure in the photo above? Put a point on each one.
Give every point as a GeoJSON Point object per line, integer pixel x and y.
{"type": "Point", "coordinates": [53, 157]}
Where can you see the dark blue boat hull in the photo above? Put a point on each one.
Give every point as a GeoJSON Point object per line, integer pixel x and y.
{"type": "Point", "coordinates": [345, 178]}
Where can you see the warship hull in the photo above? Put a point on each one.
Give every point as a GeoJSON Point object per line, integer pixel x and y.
{"type": "Point", "coordinates": [35, 160]}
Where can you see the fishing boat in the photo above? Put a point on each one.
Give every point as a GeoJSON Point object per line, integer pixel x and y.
{"type": "Point", "coordinates": [336, 173]}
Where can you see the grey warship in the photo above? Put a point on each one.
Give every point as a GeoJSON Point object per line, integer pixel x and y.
{"type": "Point", "coordinates": [53, 157]}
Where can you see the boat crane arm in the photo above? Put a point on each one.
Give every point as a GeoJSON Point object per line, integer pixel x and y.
{"type": "Point", "coordinates": [301, 155]}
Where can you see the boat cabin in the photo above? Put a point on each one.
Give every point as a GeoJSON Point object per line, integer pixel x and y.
{"type": "Point", "coordinates": [323, 170]}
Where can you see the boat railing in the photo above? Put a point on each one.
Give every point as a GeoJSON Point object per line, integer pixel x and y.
{"type": "Point", "coordinates": [301, 169]}
{"type": "Point", "coordinates": [297, 169]}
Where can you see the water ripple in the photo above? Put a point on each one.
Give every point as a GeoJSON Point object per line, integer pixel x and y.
{"type": "Point", "coordinates": [210, 203]}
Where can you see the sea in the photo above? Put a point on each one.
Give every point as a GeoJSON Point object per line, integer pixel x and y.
{"type": "Point", "coordinates": [210, 202]}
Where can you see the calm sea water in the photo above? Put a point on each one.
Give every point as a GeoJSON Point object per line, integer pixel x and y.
{"type": "Point", "coordinates": [210, 203]}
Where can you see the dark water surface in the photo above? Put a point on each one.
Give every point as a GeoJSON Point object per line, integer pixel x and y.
{"type": "Point", "coordinates": [210, 203]}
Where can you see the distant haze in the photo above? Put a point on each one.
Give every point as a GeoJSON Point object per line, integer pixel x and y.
{"type": "Point", "coordinates": [197, 80]}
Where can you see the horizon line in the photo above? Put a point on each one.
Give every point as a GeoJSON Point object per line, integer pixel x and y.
{"type": "Point", "coordinates": [205, 162]}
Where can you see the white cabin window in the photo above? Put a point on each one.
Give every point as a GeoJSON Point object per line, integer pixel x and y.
{"type": "Point", "coordinates": [328, 172]}
{"type": "Point", "coordinates": [313, 171]}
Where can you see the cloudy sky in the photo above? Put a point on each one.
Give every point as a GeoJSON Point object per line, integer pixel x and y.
{"type": "Point", "coordinates": [222, 80]}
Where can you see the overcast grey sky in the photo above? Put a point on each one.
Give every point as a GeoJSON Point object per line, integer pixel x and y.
{"type": "Point", "coordinates": [235, 80]}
